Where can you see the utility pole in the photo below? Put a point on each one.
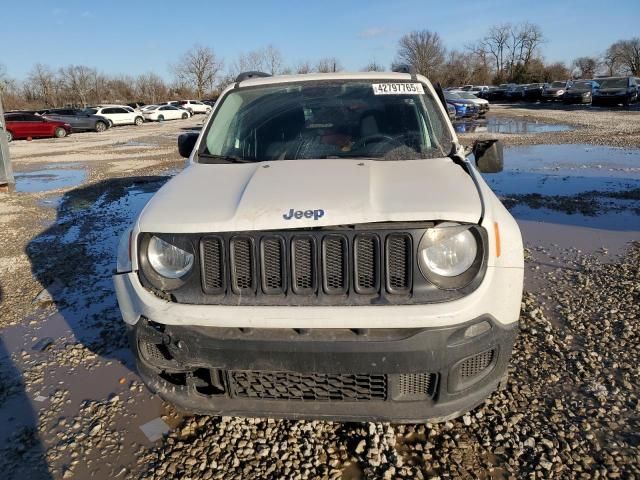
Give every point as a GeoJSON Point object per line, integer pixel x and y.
{"type": "Point", "coordinates": [7, 182]}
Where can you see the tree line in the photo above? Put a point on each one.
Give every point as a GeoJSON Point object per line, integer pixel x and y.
{"type": "Point", "coordinates": [506, 53]}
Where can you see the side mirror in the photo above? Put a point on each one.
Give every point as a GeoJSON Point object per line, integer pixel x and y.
{"type": "Point", "coordinates": [186, 142]}
{"type": "Point", "coordinates": [489, 155]}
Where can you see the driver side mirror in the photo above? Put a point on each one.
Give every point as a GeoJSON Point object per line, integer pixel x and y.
{"type": "Point", "coordinates": [489, 155]}
{"type": "Point", "coordinates": [186, 142]}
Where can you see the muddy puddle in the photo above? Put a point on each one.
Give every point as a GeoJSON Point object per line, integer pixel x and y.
{"type": "Point", "coordinates": [508, 125]}
{"type": "Point", "coordinates": [581, 185]}
{"type": "Point", "coordinates": [48, 179]}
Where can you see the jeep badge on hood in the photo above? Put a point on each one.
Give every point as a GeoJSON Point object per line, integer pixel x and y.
{"type": "Point", "coordinates": [298, 214]}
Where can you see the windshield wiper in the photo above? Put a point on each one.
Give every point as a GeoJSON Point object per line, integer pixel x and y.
{"type": "Point", "coordinates": [224, 158]}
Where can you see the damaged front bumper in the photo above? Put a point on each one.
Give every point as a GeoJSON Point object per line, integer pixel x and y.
{"type": "Point", "coordinates": [404, 375]}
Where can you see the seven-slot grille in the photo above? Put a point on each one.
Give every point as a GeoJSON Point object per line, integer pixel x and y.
{"type": "Point", "coordinates": [307, 264]}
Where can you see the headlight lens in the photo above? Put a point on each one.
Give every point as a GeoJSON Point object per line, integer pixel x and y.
{"type": "Point", "coordinates": [447, 250]}
{"type": "Point", "coordinates": [560, 92]}
{"type": "Point", "coordinates": [167, 259]}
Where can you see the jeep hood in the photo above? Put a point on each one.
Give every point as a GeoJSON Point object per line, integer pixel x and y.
{"type": "Point", "coordinates": [257, 196]}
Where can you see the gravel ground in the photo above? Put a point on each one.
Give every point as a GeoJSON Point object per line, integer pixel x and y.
{"type": "Point", "coordinates": [569, 410]}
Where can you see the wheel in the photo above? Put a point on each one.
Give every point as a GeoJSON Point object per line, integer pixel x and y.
{"type": "Point", "coordinates": [9, 136]}
{"type": "Point", "coordinates": [101, 126]}
{"type": "Point", "coordinates": [139, 121]}
{"type": "Point", "coordinates": [185, 116]}
{"type": "Point", "coordinates": [60, 132]}
{"type": "Point", "coordinates": [161, 118]}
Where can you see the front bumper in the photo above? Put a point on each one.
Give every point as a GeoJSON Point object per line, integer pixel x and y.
{"type": "Point", "coordinates": [404, 375]}
{"type": "Point", "coordinates": [610, 99]}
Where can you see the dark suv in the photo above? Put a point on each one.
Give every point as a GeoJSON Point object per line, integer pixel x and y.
{"type": "Point", "coordinates": [616, 90]}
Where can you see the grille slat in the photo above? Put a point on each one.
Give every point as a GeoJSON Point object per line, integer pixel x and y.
{"type": "Point", "coordinates": [366, 258]}
{"type": "Point", "coordinates": [213, 271]}
{"type": "Point", "coordinates": [308, 386]}
{"type": "Point", "coordinates": [334, 264]}
{"type": "Point", "coordinates": [242, 265]}
{"type": "Point", "coordinates": [303, 265]}
{"type": "Point", "coordinates": [398, 263]}
{"type": "Point", "coordinates": [272, 261]}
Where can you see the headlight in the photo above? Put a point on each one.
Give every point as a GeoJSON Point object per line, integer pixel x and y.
{"type": "Point", "coordinates": [450, 255]}
{"type": "Point", "coordinates": [167, 259]}
{"type": "Point", "coordinates": [560, 92]}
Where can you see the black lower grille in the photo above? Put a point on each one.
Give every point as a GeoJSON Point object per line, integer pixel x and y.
{"type": "Point", "coordinates": [473, 366]}
{"type": "Point", "coordinates": [308, 386]}
{"type": "Point", "coordinates": [417, 384]}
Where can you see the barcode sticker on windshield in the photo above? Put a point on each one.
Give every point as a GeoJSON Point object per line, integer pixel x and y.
{"type": "Point", "coordinates": [397, 89]}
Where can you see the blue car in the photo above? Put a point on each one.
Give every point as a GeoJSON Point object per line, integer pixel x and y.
{"type": "Point", "coordinates": [463, 110]}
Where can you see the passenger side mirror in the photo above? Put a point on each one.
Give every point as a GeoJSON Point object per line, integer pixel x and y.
{"type": "Point", "coordinates": [186, 142]}
{"type": "Point", "coordinates": [489, 155]}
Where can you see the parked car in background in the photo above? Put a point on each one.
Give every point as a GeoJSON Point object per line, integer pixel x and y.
{"type": "Point", "coordinates": [210, 101]}
{"type": "Point", "coordinates": [160, 113]}
{"type": "Point", "coordinates": [194, 106]}
{"type": "Point", "coordinates": [464, 108]}
{"type": "Point", "coordinates": [615, 90]}
{"type": "Point", "coordinates": [118, 115]}
{"type": "Point", "coordinates": [466, 88]}
{"type": "Point", "coordinates": [451, 111]}
{"type": "Point", "coordinates": [498, 93]}
{"type": "Point", "coordinates": [80, 120]}
{"type": "Point", "coordinates": [176, 103]}
{"type": "Point", "coordinates": [533, 92]}
{"type": "Point", "coordinates": [28, 125]}
{"type": "Point", "coordinates": [481, 103]}
{"type": "Point", "coordinates": [580, 91]}
{"type": "Point", "coordinates": [555, 91]}
{"type": "Point", "coordinates": [516, 93]}
{"type": "Point", "coordinates": [480, 90]}
{"type": "Point", "coordinates": [136, 105]}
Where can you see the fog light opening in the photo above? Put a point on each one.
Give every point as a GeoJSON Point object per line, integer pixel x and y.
{"type": "Point", "coordinates": [477, 329]}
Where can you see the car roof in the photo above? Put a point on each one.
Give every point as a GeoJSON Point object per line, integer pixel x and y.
{"type": "Point", "coordinates": [310, 77]}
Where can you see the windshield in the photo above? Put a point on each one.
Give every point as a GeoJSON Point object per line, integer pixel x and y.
{"type": "Point", "coordinates": [581, 85]}
{"type": "Point", "coordinates": [338, 119]}
{"type": "Point", "coordinates": [613, 83]}
{"type": "Point", "coordinates": [558, 84]}
{"type": "Point", "coordinates": [469, 96]}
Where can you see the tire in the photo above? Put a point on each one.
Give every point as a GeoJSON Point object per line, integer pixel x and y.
{"type": "Point", "coordinates": [161, 118]}
{"type": "Point", "coordinates": [9, 136]}
{"type": "Point", "coordinates": [185, 116]}
{"type": "Point", "coordinates": [138, 121]}
{"type": "Point", "coordinates": [100, 126]}
{"type": "Point", "coordinates": [60, 132]}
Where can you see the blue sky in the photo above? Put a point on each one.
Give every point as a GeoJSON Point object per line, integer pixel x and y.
{"type": "Point", "coordinates": [134, 37]}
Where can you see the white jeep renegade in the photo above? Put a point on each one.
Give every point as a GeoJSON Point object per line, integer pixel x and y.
{"type": "Point", "coordinates": [329, 252]}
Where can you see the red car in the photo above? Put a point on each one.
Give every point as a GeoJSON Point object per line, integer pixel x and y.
{"type": "Point", "coordinates": [24, 125]}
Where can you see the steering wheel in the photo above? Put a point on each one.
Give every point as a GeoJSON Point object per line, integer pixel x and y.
{"type": "Point", "coordinates": [376, 138]}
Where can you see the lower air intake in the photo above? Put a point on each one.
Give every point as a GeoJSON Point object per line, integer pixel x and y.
{"type": "Point", "coordinates": [307, 386]}
{"type": "Point", "coordinates": [473, 366]}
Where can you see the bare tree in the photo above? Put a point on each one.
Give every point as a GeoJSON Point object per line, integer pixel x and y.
{"type": "Point", "coordinates": [531, 38]}
{"type": "Point", "coordinates": [150, 88]}
{"type": "Point", "coordinates": [303, 67]}
{"type": "Point", "coordinates": [198, 69]}
{"type": "Point", "coordinates": [373, 66]}
{"type": "Point", "coordinates": [78, 81]}
{"type": "Point", "coordinates": [626, 54]}
{"type": "Point", "coordinates": [585, 67]}
{"type": "Point", "coordinates": [495, 42]}
{"type": "Point", "coordinates": [611, 61]}
{"type": "Point", "coordinates": [556, 71]}
{"type": "Point", "coordinates": [423, 51]}
{"type": "Point", "coordinates": [328, 65]}
{"type": "Point", "coordinates": [273, 59]}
